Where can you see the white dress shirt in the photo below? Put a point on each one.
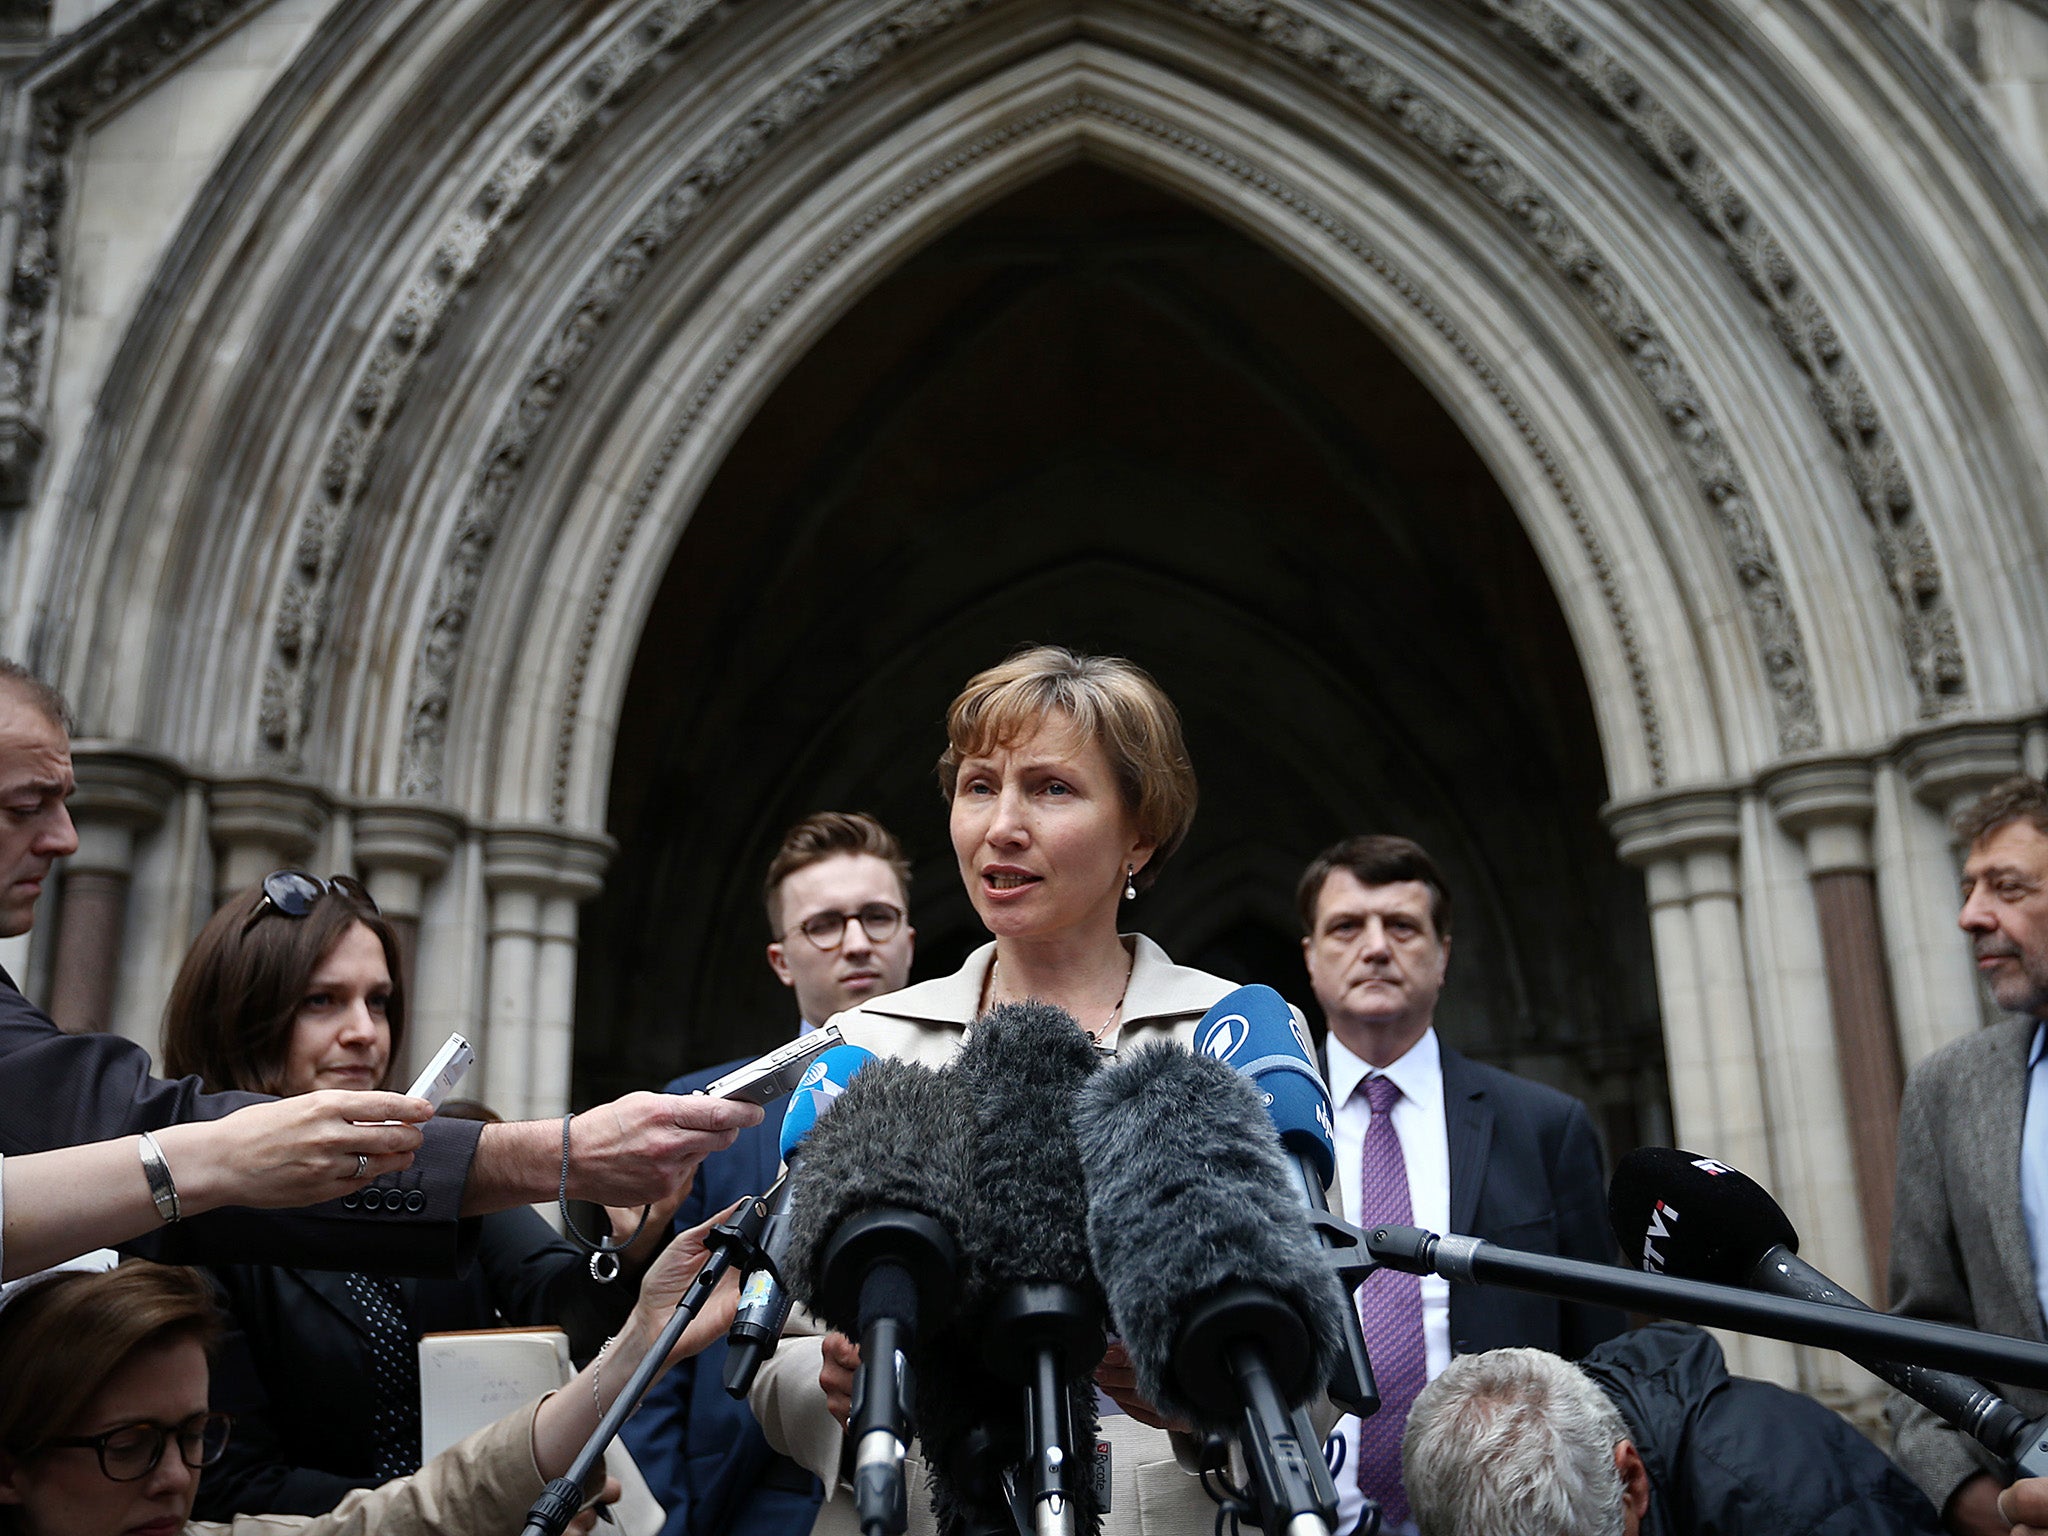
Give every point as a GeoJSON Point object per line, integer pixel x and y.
{"type": "Point", "coordinates": [2034, 1162]}
{"type": "Point", "coordinates": [1424, 1132]}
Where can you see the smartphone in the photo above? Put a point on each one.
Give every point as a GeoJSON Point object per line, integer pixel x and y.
{"type": "Point", "coordinates": [771, 1076]}
{"type": "Point", "coordinates": [439, 1077]}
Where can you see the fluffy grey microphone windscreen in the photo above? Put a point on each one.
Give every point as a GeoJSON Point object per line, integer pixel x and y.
{"type": "Point", "coordinates": [1028, 1221]}
{"type": "Point", "coordinates": [1027, 1224]}
{"type": "Point", "coordinates": [898, 1139]}
{"type": "Point", "coordinates": [1189, 1193]}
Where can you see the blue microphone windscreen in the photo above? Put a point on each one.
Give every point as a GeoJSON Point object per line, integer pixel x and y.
{"type": "Point", "coordinates": [823, 1081]}
{"type": "Point", "coordinates": [1254, 1031]}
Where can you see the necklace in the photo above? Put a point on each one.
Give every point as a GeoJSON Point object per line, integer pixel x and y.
{"type": "Point", "coordinates": [1095, 1035]}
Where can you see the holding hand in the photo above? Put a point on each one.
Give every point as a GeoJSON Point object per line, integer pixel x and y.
{"type": "Point", "coordinates": [1116, 1377]}
{"type": "Point", "coordinates": [292, 1152]}
{"type": "Point", "coordinates": [646, 1146]}
{"type": "Point", "coordinates": [841, 1360]}
{"type": "Point", "coordinates": [2025, 1504]}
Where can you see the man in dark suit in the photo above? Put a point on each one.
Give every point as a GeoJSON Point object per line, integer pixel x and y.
{"type": "Point", "coordinates": [62, 1089]}
{"type": "Point", "coordinates": [1970, 1216]}
{"type": "Point", "coordinates": [1427, 1138]}
{"type": "Point", "coordinates": [837, 894]}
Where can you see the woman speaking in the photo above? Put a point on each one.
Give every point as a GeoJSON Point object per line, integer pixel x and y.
{"type": "Point", "coordinates": [1069, 786]}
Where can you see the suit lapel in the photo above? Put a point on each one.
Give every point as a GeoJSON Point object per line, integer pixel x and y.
{"type": "Point", "coordinates": [331, 1287]}
{"type": "Point", "coordinates": [1468, 1123]}
{"type": "Point", "coordinates": [1995, 1103]}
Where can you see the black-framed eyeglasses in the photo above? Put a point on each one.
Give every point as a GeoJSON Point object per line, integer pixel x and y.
{"type": "Point", "coordinates": [130, 1452]}
{"type": "Point", "coordinates": [294, 893]}
{"type": "Point", "coordinates": [878, 920]}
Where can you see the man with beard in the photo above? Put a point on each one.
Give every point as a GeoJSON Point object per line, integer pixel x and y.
{"type": "Point", "coordinates": [1970, 1229]}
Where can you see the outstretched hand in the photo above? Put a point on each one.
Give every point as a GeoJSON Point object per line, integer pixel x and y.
{"type": "Point", "coordinates": [295, 1151]}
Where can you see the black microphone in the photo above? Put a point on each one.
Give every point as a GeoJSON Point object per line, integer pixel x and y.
{"type": "Point", "coordinates": [875, 1250]}
{"type": "Point", "coordinates": [1677, 1213]}
{"type": "Point", "coordinates": [1215, 1280]}
{"type": "Point", "coordinates": [1039, 1312]}
{"type": "Point", "coordinates": [764, 1299]}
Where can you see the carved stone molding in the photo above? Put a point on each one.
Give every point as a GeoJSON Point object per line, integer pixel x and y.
{"type": "Point", "coordinates": [1828, 803]}
{"type": "Point", "coordinates": [1405, 106]}
{"type": "Point", "coordinates": [545, 861]}
{"type": "Point", "coordinates": [1675, 826]}
{"type": "Point", "coordinates": [1799, 318]}
{"type": "Point", "coordinates": [462, 250]}
{"type": "Point", "coordinates": [1264, 181]}
{"type": "Point", "coordinates": [1951, 765]}
{"type": "Point", "coordinates": [77, 81]}
{"type": "Point", "coordinates": [121, 786]}
{"type": "Point", "coordinates": [553, 370]}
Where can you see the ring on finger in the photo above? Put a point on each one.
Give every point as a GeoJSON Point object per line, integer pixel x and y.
{"type": "Point", "coordinates": [362, 1164]}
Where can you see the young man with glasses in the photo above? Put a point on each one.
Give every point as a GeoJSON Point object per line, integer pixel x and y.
{"type": "Point", "coordinates": [837, 893]}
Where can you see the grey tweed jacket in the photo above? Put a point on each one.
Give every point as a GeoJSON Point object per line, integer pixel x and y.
{"type": "Point", "coordinates": [1959, 1237]}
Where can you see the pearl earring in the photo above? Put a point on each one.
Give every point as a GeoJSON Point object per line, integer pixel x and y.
{"type": "Point", "coordinates": [1130, 882]}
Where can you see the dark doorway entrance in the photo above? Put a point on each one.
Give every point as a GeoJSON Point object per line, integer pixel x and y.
{"type": "Point", "coordinates": [1095, 415]}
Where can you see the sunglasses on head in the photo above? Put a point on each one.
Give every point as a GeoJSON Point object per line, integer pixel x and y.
{"type": "Point", "coordinates": [295, 893]}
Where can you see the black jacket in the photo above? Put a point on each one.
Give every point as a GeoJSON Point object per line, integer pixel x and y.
{"type": "Point", "coordinates": [1525, 1173]}
{"type": "Point", "coordinates": [294, 1369]}
{"type": "Point", "coordinates": [59, 1090]}
{"type": "Point", "coordinates": [1733, 1457]}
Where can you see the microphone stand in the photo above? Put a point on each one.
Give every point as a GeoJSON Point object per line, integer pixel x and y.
{"type": "Point", "coordinates": [739, 1238]}
{"type": "Point", "coordinates": [1473, 1261]}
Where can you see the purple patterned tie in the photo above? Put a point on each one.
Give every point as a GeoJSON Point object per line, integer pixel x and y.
{"type": "Point", "coordinates": [1391, 1306]}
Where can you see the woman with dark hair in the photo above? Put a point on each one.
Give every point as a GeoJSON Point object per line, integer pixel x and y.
{"type": "Point", "coordinates": [1068, 785]}
{"type": "Point", "coordinates": [295, 985]}
{"type": "Point", "coordinates": [106, 1420]}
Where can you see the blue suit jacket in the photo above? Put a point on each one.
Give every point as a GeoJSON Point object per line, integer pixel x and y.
{"type": "Point", "coordinates": [702, 1452]}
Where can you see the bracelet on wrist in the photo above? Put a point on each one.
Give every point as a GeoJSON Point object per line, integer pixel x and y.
{"type": "Point", "coordinates": [163, 1189]}
{"type": "Point", "coordinates": [604, 1255]}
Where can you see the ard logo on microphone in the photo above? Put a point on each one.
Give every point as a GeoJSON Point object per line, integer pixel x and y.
{"type": "Point", "coordinates": [814, 1074]}
{"type": "Point", "coordinates": [1225, 1036]}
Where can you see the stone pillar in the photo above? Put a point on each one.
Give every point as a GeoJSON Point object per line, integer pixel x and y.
{"type": "Point", "coordinates": [536, 877]}
{"type": "Point", "coordinates": [400, 848]}
{"type": "Point", "coordinates": [121, 796]}
{"type": "Point", "coordinates": [1686, 845]}
{"type": "Point", "coordinates": [259, 825]}
{"type": "Point", "coordinates": [1828, 805]}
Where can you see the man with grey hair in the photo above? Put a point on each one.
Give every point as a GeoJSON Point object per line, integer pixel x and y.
{"type": "Point", "coordinates": [1647, 1436]}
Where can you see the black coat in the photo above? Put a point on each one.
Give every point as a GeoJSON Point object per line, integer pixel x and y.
{"type": "Point", "coordinates": [1525, 1173]}
{"type": "Point", "coordinates": [59, 1090]}
{"type": "Point", "coordinates": [294, 1369]}
{"type": "Point", "coordinates": [1732, 1457]}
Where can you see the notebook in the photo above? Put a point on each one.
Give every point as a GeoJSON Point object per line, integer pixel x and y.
{"type": "Point", "coordinates": [476, 1377]}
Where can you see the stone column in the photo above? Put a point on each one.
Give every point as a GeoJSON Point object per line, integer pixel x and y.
{"type": "Point", "coordinates": [402, 847]}
{"type": "Point", "coordinates": [1828, 804]}
{"type": "Point", "coordinates": [536, 877]}
{"type": "Point", "coordinates": [1686, 845]}
{"type": "Point", "coordinates": [121, 796]}
{"type": "Point", "coordinates": [259, 825]}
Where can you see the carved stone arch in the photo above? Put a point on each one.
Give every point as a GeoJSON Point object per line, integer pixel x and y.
{"type": "Point", "coordinates": [1505, 419]}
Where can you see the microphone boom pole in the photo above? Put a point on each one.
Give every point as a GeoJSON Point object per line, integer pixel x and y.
{"type": "Point", "coordinates": [562, 1498]}
{"type": "Point", "coordinates": [1473, 1261]}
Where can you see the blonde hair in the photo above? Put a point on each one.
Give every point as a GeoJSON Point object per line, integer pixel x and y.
{"type": "Point", "coordinates": [1106, 700]}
